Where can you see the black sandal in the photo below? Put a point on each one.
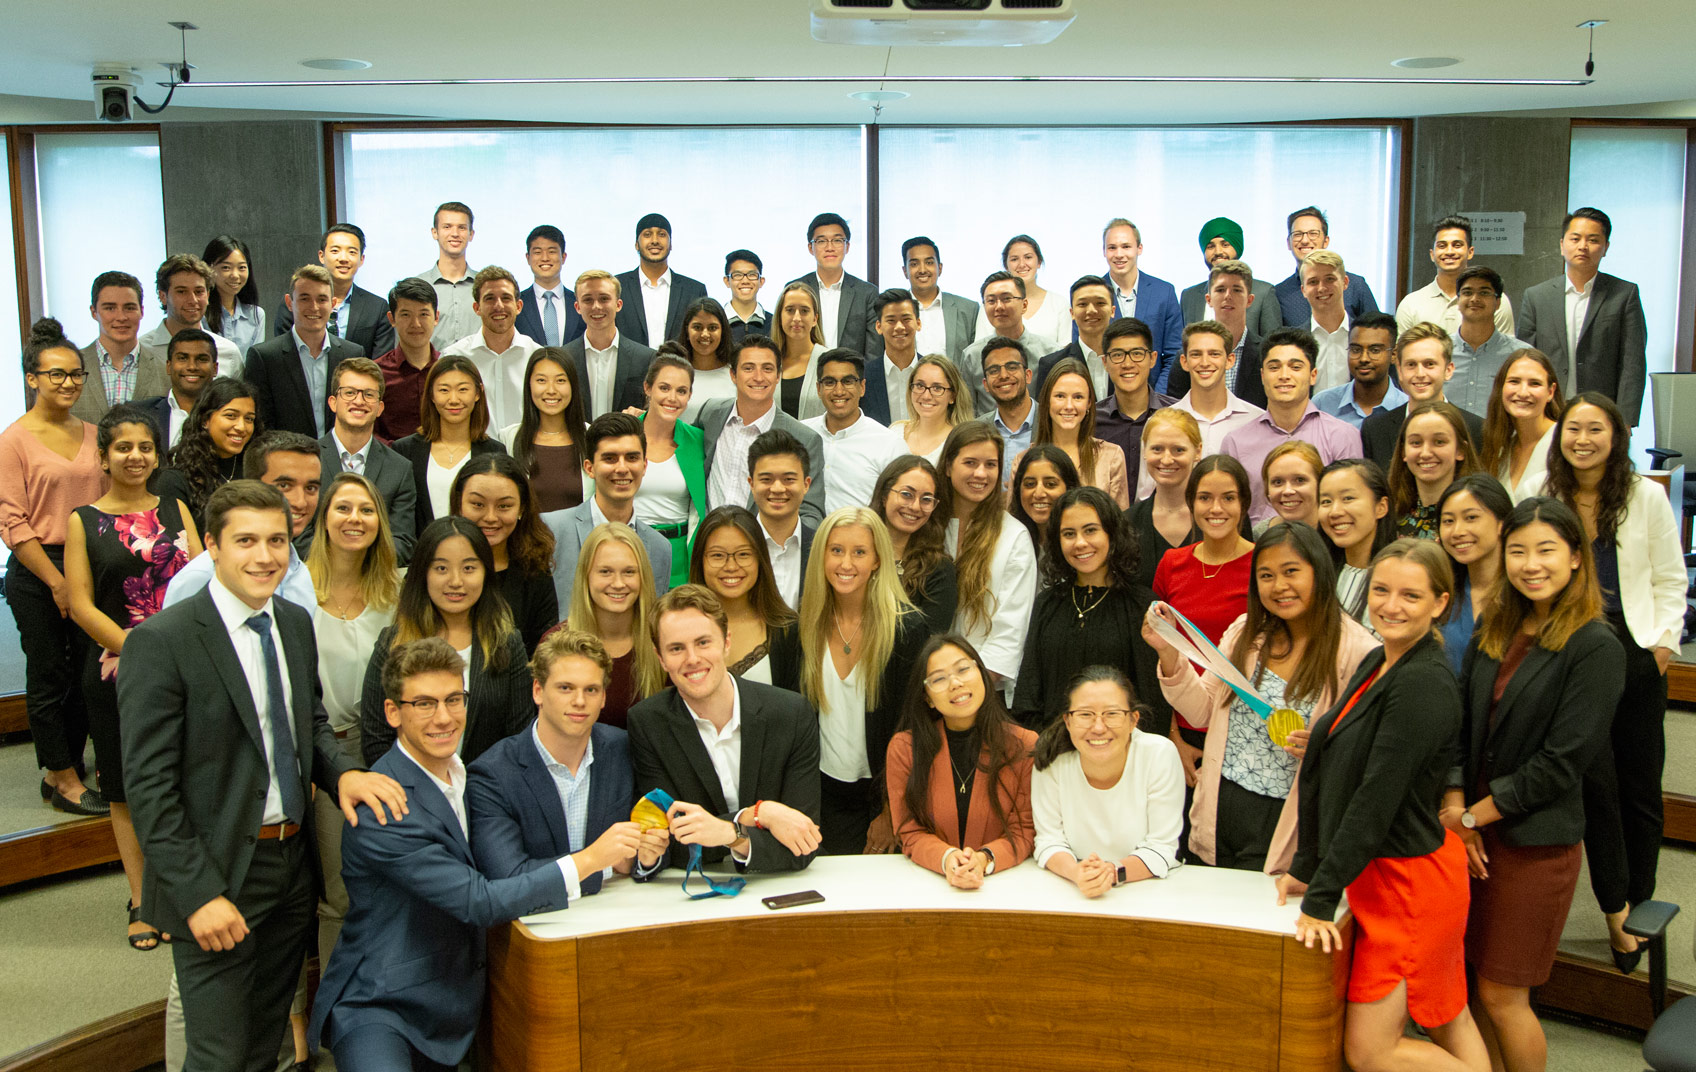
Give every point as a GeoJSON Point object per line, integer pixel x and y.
{"type": "Point", "coordinates": [139, 937]}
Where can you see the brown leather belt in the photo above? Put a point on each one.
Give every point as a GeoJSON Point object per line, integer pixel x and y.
{"type": "Point", "coordinates": [341, 735]}
{"type": "Point", "coordinates": [278, 831]}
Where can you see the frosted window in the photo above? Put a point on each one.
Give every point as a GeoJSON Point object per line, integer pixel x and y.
{"type": "Point", "coordinates": [12, 378]}
{"type": "Point", "coordinates": [102, 208]}
{"type": "Point", "coordinates": [722, 189]}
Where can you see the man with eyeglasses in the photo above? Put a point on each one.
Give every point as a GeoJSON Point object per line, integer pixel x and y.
{"type": "Point", "coordinates": [1308, 231]}
{"type": "Point", "coordinates": [498, 350]}
{"type": "Point", "coordinates": [744, 275]}
{"type": "Point", "coordinates": [949, 322]}
{"type": "Point", "coordinates": [1372, 339]}
{"type": "Point", "coordinates": [615, 457]}
{"type": "Point", "coordinates": [356, 314]}
{"type": "Point", "coordinates": [856, 447]}
{"type": "Point", "coordinates": [416, 896]}
{"type": "Point", "coordinates": [191, 361]}
{"type": "Point", "coordinates": [1092, 310]}
{"type": "Point", "coordinates": [1007, 378]}
{"type": "Point", "coordinates": [1131, 359]}
{"type": "Point", "coordinates": [356, 399]}
{"type": "Point", "coordinates": [1004, 305]}
{"type": "Point", "coordinates": [845, 301]}
{"type": "Point", "coordinates": [1206, 362]}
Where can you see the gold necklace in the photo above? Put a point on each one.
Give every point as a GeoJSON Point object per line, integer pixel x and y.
{"type": "Point", "coordinates": [960, 779]}
{"type": "Point", "coordinates": [847, 648]}
{"type": "Point", "coordinates": [1086, 609]}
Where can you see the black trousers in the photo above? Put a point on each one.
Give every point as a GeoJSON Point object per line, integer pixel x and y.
{"type": "Point", "coordinates": [1195, 739]}
{"type": "Point", "coordinates": [1243, 827]}
{"type": "Point", "coordinates": [846, 811]}
{"type": "Point", "coordinates": [54, 649]}
{"type": "Point", "coordinates": [1622, 792]}
{"type": "Point", "coordinates": [236, 1003]}
{"type": "Point", "coordinates": [379, 1048]}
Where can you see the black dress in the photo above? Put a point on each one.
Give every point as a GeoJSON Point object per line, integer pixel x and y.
{"type": "Point", "coordinates": [1060, 642]}
{"type": "Point", "coordinates": [131, 558]}
{"type": "Point", "coordinates": [1150, 544]}
{"type": "Point", "coordinates": [172, 485]}
{"type": "Point", "coordinates": [533, 601]}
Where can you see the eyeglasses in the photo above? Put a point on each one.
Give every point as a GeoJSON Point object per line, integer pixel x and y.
{"type": "Point", "coordinates": [1306, 236]}
{"type": "Point", "coordinates": [1138, 356]}
{"type": "Point", "coordinates": [358, 394]}
{"type": "Point", "coordinates": [831, 382]}
{"type": "Point", "coordinates": [1011, 367]}
{"type": "Point", "coordinates": [1113, 718]}
{"type": "Point", "coordinates": [926, 501]}
{"type": "Point", "coordinates": [428, 705]}
{"type": "Point", "coordinates": [58, 376]}
{"type": "Point", "coordinates": [934, 390]}
{"type": "Point", "coordinates": [744, 277]}
{"type": "Point", "coordinates": [830, 243]}
{"type": "Point", "coordinates": [717, 559]}
{"type": "Point", "coordinates": [1002, 299]}
{"type": "Point", "coordinates": [943, 678]}
{"type": "Point", "coordinates": [1376, 350]}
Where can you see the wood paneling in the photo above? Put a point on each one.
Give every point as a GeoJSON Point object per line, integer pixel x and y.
{"type": "Point", "coordinates": [14, 717]}
{"type": "Point", "coordinates": [1315, 990]}
{"type": "Point", "coordinates": [122, 1043]}
{"type": "Point", "coordinates": [531, 1019]}
{"type": "Point", "coordinates": [1681, 682]}
{"type": "Point", "coordinates": [53, 850]}
{"type": "Point", "coordinates": [1596, 989]}
{"type": "Point", "coordinates": [1679, 822]}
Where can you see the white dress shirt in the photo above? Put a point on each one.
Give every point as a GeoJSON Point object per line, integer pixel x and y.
{"type": "Point", "coordinates": [830, 307]}
{"type": "Point", "coordinates": [1333, 353]}
{"type": "Point", "coordinates": [1141, 815]}
{"type": "Point", "coordinates": [503, 374]}
{"type": "Point", "coordinates": [656, 303]}
{"type": "Point", "coordinates": [453, 789]}
{"type": "Point", "coordinates": [296, 587]}
{"type": "Point", "coordinates": [895, 381]}
{"type": "Point", "coordinates": [724, 749]}
{"type": "Point", "coordinates": [1012, 588]}
{"type": "Point", "coordinates": [251, 655]}
{"type": "Point", "coordinates": [603, 370]}
{"type": "Point", "coordinates": [227, 354]}
{"type": "Point", "coordinates": [785, 563]}
{"type": "Point", "coordinates": [353, 461]}
{"type": "Point", "coordinates": [933, 329]}
{"type": "Point", "coordinates": [178, 416]}
{"type": "Point", "coordinates": [842, 722]}
{"type": "Point", "coordinates": [853, 458]}
{"type": "Point", "coordinates": [727, 484]}
{"type": "Point", "coordinates": [1577, 308]}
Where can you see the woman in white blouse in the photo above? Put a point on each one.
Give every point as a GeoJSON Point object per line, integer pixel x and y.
{"type": "Point", "coordinates": [1519, 428]}
{"type": "Point", "coordinates": [1107, 798]}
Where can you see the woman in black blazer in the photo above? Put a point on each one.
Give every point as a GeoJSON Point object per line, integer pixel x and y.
{"type": "Point", "coordinates": [493, 493]}
{"type": "Point", "coordinates": [1540, 680]}
{"type": "Point", "coordinates": [1371, 782]}
{"type": "Point", "coordinates": [445, 595]}
{"type": "Point", "coordinates": [453, 425]}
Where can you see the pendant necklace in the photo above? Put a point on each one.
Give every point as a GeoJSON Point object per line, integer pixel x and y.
{"type": "Point", "coordinates": [1086, 609]}
{"type": "Point", "coordinates": [847, 648]}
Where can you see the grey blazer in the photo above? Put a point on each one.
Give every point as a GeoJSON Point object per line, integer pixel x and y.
{"type": "Point", "coordinates": [1612, 348]}
{"type": "Point", "coordinates": [571, 527]}
{"type": "Point", "coordinates": [150, 381]}
{"type": "Point", "coordinates": [710, 420]}
{"type": "Point", "coordinates": [853, 314]}
{"type": "Point", "coordinates": [1265, 315]}
{"type": "Point", "coordinates": [960, 316]}
{"type": "Point", "coordinates": [393, 476]}
{"type": "Point", "coordinates": [632, 365]}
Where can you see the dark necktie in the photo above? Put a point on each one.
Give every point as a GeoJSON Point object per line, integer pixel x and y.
{"type": "Point", "coordinates": [283, 762]}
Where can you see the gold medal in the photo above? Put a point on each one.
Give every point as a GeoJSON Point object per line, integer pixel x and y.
{"type": "Point", "coordinates": [1283, 722]}
{"type": "Point", "coordinates": [649, 816]}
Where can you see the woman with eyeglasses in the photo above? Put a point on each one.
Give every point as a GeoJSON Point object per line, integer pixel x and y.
{"type": "Point", "coordinates": [796, 330]}
{"type": "Point", "coordinates": [938, 401]}
{"type": "Point", "coordinates": [673, 495]}
{"type": "Point", "coordinates": [1065, 417]}
{"type": "Point", "coordinates": [447, 593]}
{"type": "Point", "coordinates": [959, 769]}
{"type": "Point", "coordinates": [547, 442]}
{"type": "Point", "coordinates": [1048, 324]}
{"type": "Point", "coordinates": [453, 424]}
{"type": "Point", "coordinates": [905, 500]}
{"type": "Point", "coordinates": [235, 312]}
{"type": "Point", "coordinates": [705, 344]}
{"type": "Point", "coordinates": [49, 466]}
{"type": "Point", "coordinates": [1107, 797]}
{"type": "Point", "coordinates": [730, 559]}
{"type": "Point", "coordinates": [208, 454]}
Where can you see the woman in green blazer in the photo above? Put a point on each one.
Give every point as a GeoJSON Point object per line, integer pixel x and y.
{"type": "Point", "coordinates": [673, 496]}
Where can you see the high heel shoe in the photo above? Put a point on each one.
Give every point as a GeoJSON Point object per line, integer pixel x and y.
{"type": "Point", "coordinates": [1627, 962]}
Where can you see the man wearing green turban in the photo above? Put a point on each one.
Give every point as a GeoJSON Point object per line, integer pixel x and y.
{"type": "Point", "coordinates": [1221, 239]}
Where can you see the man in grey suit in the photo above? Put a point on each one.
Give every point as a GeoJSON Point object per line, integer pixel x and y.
{"type": "Point", "coordinates": [356, 399]}
{"type": "Point", "coordinates": [735, 423]}
{"type": "Point", "coordinates": [610, 363]}
{"type": "Point", "coordinates": [224, 737]}
{"type": "Point", "coordinates": [115, 303]}
{"type": "Point", "coordinates": [845, 301]}
{"type": "Point", "coordinates": [615, 457]}
{"type": "Point", "coordinates": [947, 322]}
{"type": "Point", "coordinates": [290, 373]}
{"type": "Point", "coordinates": [357, 315]}
{"type": "Point", "coordinates": [1604, 311]}
{"type": "Point", "coordinates": [655, 296]}
{"type": "Point", "coordinates": [1222, 240]}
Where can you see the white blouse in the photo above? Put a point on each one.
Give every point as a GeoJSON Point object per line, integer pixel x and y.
{"type": "Point", "coordinates": [1012, 586]}
{"type": "Point", "coordinates": [439, 481]}
{"type": "Point", "coordinates": [842, 723]}
{"type": "Point", "coordinates": [344, 651]}
{"type": "Point", "coordinates": [709, 384]}
{"type": "Point", "coordinates": [1536, 472]}
{"type": "Point", "coordinates": [663, 498]}
{"type": "Point", "coordinates": [1142, 815]}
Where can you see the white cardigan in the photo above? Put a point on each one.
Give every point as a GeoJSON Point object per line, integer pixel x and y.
{"type": "Point", "coordinates": [1651, 568]}
{"type": "Point", "coordinates": [1012, 587]}
{"type": "Point", "coordinates": [1141, 816]}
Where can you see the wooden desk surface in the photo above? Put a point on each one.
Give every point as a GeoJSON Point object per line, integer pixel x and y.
{"type": "Point", "coordinates": [898, 970]}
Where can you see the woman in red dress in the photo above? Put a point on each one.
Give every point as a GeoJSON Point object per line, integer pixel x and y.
{"type": "Point", "coordinates": [1371, 784]}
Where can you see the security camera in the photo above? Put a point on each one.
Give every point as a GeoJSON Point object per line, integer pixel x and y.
{"type": "Point", "coordinates": [114, 92]}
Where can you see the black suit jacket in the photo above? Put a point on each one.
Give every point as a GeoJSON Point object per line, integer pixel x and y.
{"type": "Point", "coordinates": [416, 450]}
{"type": "Point", "coordinates": [1612, 347]}
{"type": "Point", "coordinates": [1553, 720]}
{"type": "Point", "coordinates": [632, 320]}
{"type": "Point", "coordinates": [1249, 388]}
{"type": "Point", "coordinates": [159, 408]}
{"type": "Point", "coordinates": [1373, 788]}
{"type": "Point", "coordinates": [780, 761]}
{"type": "Point", "coordinates": [1379, 431]}
{"type": "Point", "coordinates": [392, 474]}
{"type": "Point", "coordinates": [854, 317]}
{"type": "Point", "coordinates": [366, 325]}
{"type": "Point", "coordinates": [195, 765]}
{"type": "Point", "coordinates": [629, 369]}
{"type": "Point", "coordinates": [500, 703]}
{"type": "Point", "coordinates": [529, 320]}
{"type": "Point", "coordinates": [279, 384]}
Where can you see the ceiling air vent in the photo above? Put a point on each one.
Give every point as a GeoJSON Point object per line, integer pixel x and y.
{"type": "Point", "coordinates": [982, 23]}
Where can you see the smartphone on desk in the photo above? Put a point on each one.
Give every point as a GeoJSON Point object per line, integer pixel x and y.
{"type": "Point", "coordinates": [790, 900]}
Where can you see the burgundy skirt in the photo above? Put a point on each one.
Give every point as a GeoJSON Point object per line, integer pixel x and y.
{"type": "Point", "coordinates": [1518, 913]}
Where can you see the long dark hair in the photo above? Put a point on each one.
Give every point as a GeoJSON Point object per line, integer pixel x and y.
{"type": "Point", "coordinates": [523, 443]}
{"type": "Point", "coordinates": [531, 546]}
{"type": "Point", "coordinates": [725, 354]}
{"type": "Point", "coordinates": [1574, 606]}
{"type": "Point", "coordinates": [1056, 739]}
{"type": "Point", "coordinates": [1123, 553]}
{"type": "Point", "coordinates": [1379, 485]}
{"type": "Point", "coordinates": [416, 616]}
{"type": "Point", "coordinates": [993, 729]}
{"type": "Point", "coordinates": [763, 596]}
{"type": "Point", "coordinates": [1062, 462]}
{"type": "Point", "coordinates": [1404, 489]}
{"type": "Point", "coordinates": [974, 551]}
{"type": "Point", "coordinates": [1489, 494]}
{"type": "Point", "coordinates": [193, 455]}
{"type": "Point", "coordinates": [1223, 463]}
{"type": "Point", "coordinates": [430, 418]}
{"type": "Point", "coordinates": [216, 250]}
{"type": "Point", "coordinates": [926, 547]}
{"type": "Point", "coordinates": [1613, 494]}
{"type": "Point", "coordinates": [1044, 433]}
{"type": "Point", "coordinates": [1318, 668]}
{"type": "Point", "coordinates": [1500, 431]}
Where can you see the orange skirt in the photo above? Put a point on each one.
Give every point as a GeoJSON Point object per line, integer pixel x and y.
{"type": "Point", "coordinates": [1410, 923]}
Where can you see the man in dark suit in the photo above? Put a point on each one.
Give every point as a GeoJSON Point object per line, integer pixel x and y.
{"type": "Point", "coordinates": [356, 314]}
{"type": "Point", "coordinates": [949, 322]}
{"type": "Point", "coordinates": [741, 420]}
{"type": "Point", "coordinates": [845, 301]}
{"type": "Point", "coordinates": [1309, 230]}
{"type": "Point", "coordinates": [403, 990]}
{"type": "Point", "coordinates": [564, 789]}
{"type": "Point", "coordinates": [1222, 240]}
{"type": "Point", "coordinates": [1611, 353]}
{"type": "Point", "coordinates": [1092, 311]}
{"type": "Point", "coordinates": [740, 759]}
{"type": "Point", "coordinates": [1145, 297]}
{"type": "Point", "coordinates": [548, 312]}
{"type": "Point", "coordinates": [224, 737]}
{"type": "Point", "coordinates": [290, 373]}
{"type": "Point", "coordinates": [1425, 360]}
{"type": "Point", "coordinates": [777, 477]}
{"type": "Point", "coordinates": [191, 360]}
{"type": "Point", "coordinates": [654, 295]}
{"type": "Point", "coordinates": [356, 398]}
{"type": "Point", "coordinates": [610, 363]}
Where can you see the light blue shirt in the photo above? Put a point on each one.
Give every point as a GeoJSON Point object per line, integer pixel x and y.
{"type": "Point", "coordinates": [1475, 370]}
{"type": "Point", "coordinates": [317, 370]}
{"type": "Point", "coordinates": [1018, 440]}
{"type": "Point", "coordinates": [573, 790]}
{"type": "Point", "coordinates": [244, 327]}
{"type": "Point", "coordinates": [296, 587]}
{"type": "Point", "coordinates": [1339, 402]}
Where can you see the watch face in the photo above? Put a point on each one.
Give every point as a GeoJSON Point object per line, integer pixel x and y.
{"type": "Point", "coordinates": [1121, 875]}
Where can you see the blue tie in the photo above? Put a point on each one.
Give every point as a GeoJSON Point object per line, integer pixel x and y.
{"type": "Point", "coordinates": [550, 319]}
{"type": "Point", "coordinates": [284, 766]}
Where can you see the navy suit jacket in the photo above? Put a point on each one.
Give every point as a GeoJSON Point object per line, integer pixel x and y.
{"type": "Point", "coordinates": [159, 408]}
{"type": "Point", "coordinates": [279, 384]}
{"type": "Point", "coordinates": [1157, 306]}
{"type": "Point", "coordinates": [529, 320]}
{"type": "Point", "coordinates": [632, 320]}
{"type": "Point", "coordinates": [364, 321]}
{"type": "Point", "coordinates": [1357, 301]}
{"type": "Point", "coordinates": [629, 369]}
{"type": "Point", "coordinates": [517, 820]}
{"type": "Point", "coordinates": [411, 954]}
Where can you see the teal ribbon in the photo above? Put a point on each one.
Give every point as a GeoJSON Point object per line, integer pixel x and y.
{"type": "Point", "coordinates": [662, 800]}
{"type": "Point", "coordinates": [1209, 657]}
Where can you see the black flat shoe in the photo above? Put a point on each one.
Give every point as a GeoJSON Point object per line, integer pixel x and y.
{"type": "Point", "coordinates": [46, 789]}
{"type": "Point", "coordinates": [1626, 962]}
{"type": "Point", "coordinates": [91, 803]}
{"type": "Point", "coordinates": [139, 937]}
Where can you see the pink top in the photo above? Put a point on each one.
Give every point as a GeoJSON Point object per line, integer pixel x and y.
{"type": "Point", "coordinates": [39, 488]}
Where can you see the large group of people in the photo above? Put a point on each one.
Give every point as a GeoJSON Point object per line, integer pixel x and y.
{"type": "Point", "coordinates": [420, 597]}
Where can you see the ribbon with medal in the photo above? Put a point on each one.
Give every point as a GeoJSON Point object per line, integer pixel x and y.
{"type": "Point", "coordinates": [651, 813]}
{"type": "Point", "coordinates": [1193, 645]}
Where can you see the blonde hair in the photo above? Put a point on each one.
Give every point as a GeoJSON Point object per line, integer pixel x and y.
{"type": "Point", "coordinates": [886, 601]}
{"type": "Point", "coordinates": [595, 274]}
{"type": "Point", "coordinates": [379, 577]}
{"type": "Point", "coordinates": [316, 273]}
{"type": "Point", "coordinates": [816, 337]}
{"type": "Point", "coordinates": [564, 643]}
{"type": "Point", "coordinates": [1425, 330]}
{"type": "Point", "coordinates": [960, 410]}
{"type": "Point", "coordinates": [646, 674]}
{"type": "Point", "coordinates": [1179, 419]}
{"type": "Point", "coordinates": [1328, 258]}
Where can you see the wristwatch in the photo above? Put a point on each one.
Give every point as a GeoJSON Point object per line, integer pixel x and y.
{"type": "Point", "coordinates": [1468, 820]}
{"type": "Point", "coordinates": [741, 831]}
{"type": "Point", "coordinates": [1119, 876]}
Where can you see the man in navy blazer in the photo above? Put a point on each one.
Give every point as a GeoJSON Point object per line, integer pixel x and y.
{"type": "Point", "coordinates": [654, 274]}
{"type": "Point", "coordinates": [191, 360]}
{"type": "Point", "coordinates": [616, 458]}
{"type": "Point", "coordinates": [287, 400]}
{"type": "Point", "coordinates": [1136, 293]}
{"type": "Point", "coordinates": [359, 316]}
{"type": "Point", "coordinates": [545, 252]}
{"type": "Point", "coordinates": [565, 788]}
{"type": "Point", "coordinates": [404, 986]}
{"type": "Point", "coordinates": [1309, 230]}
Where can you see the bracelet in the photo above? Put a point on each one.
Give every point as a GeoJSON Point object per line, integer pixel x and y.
{"type": "Point", "coordinates": [757, 824]}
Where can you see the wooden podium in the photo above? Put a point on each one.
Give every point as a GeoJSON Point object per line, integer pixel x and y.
{"type": "Point", "coordinates": [896, 970]}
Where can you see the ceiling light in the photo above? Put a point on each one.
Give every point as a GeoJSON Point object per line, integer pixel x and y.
{"type": "Point", "coordinates": [878, 96]}
{"type": "Point", "coordinates": [336, 64]}
{"type": "Point", "coordinates": [922, 79]}
{"type": "Point", "coordinates": [1421, 63]}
